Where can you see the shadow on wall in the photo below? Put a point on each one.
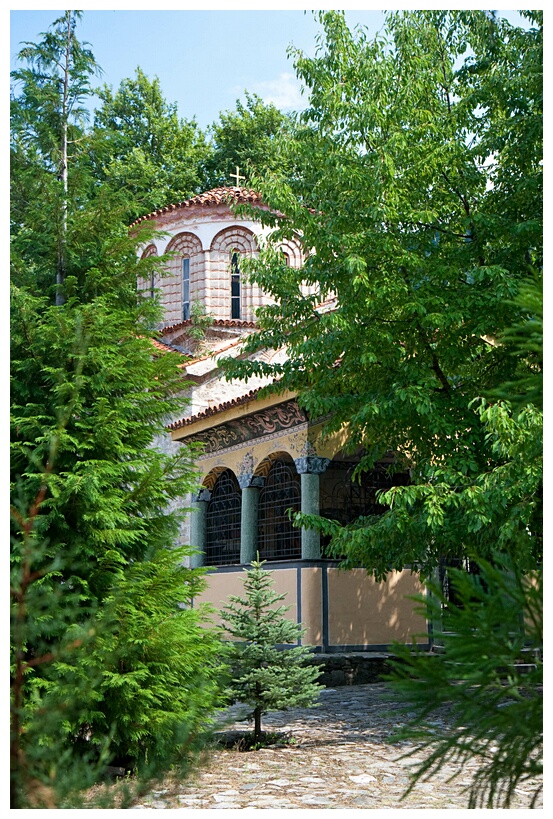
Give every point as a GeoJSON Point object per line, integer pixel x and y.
{"type": "Point", "coordinates": [364, 612]}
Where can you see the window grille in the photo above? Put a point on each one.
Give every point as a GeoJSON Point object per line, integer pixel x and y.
{"type": "Point", "coordinates": [235, 285]}
{"type": "Point", "coordinates": [345, 499]}
{"type": "Point", "coordinates": [185, 289]}
{"type": "Point", "coordinates": [223, 522]}
{"type": "Point", "coordinates": [278, 539]}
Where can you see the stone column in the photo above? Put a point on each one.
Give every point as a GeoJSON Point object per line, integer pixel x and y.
{"type": "Point", "coordinates": [198, 526]}
{"type": "Point", "coordinates": [250, 485]}
{"type": "Point", "coordinates": [310, 467]}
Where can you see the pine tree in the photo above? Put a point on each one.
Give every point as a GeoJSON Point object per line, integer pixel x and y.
{"type": "Point", "coordinates": [47, 124]}
{"type": "Point", "coordinates": [489, 677]}
{"type": "Point", "coordinates": [270, 674]}
{"type": "Point", "coordinates": [108, 654]}
{"type": "Point", "coordinates": [110, 661]}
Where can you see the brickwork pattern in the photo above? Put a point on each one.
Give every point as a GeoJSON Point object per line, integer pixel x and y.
{"type": "Point", "coordinates": [218, 301]}
{"type": "Point", "coordinates": [145, 283]}
{"type": "Point", "coordinates": [183, 245]}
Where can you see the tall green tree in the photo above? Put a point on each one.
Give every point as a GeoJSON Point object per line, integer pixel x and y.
{"type": "Point", "coordinates": [48, 118]}
{"type": "Point", "coordinates": [419, 191]}
{"type": "Point", "coordinates": [110, 662]}
{"type": "Point", "coordinates": [140, 145]}
{"type": "Point", "coordinates": [249, 137]}
{"type": "Point", "coordinates": [104, 635]}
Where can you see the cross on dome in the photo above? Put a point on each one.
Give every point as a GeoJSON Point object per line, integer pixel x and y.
{"type": "Point", "coordinates": [237, 176]}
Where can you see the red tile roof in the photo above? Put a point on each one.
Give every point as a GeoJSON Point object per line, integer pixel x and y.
{"type": "Point", "coordinates": [212, 198]}
{"type": "Point", "coordinates": [164, 348]}
{"type": "Point", "coordinates": [217, 323]}
{"type": "Point", "coordinates": [235, 402]}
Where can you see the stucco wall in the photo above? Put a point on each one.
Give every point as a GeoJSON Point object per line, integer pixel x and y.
{"type": "Point", "coordinates": [356, 612]}
{"type": "Point", "coordinates": [364, 612]}
{"type": "Point", "coordinates": [223, 584]}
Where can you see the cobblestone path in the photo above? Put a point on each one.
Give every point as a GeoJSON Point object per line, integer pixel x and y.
{"type": "Point", "coordinates": [341, 759]}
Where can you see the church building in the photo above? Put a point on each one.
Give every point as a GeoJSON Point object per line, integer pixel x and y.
{"type": "Point", "coordinates": [262, 456]}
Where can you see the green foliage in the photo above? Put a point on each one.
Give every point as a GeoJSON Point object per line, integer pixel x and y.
{"type": "Point", "coordinates": [159, 669]}
{"type": "Point", "coordinates": [250, 137]}
{"type": "Point", "coordinates": [99, 633]}
{"type": "Point", "coordinates": [201, 321]}
{"type": "Point", "coordinates": [525, 338]}
{"type": "Point", "coordinates": [109, 659]}
{"type": "Point", "coordinates": [48, 120]}
{"type": "Point", "coordinates": [38, 114]}
{"type": "Point", "coordinates": [268, 675]}
{"type": "Point", "coordinates": [488, 679]}
{"type": "Point", "coordinates": [458, 510]}
{"type": "Point", "coordinates": [140, 146]}
{"type": "Point", "coordinates": [424, 218]}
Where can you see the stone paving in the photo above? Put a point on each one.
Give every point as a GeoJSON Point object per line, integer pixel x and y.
{"type": "Point", "coordinates": [341, 759]}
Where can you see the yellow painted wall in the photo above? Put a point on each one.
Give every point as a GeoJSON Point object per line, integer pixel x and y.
{"type": "Point", "coordinates": [312, 605]}
{"type": "Point", "coordinates": [223, 584]}
{"type": "Point", "coordinates": [364, 612]}
{"type": "Point", "coordinates": [361, 612]}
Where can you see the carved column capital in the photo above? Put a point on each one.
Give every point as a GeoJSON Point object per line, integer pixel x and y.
{"type": "Point", "coordinates": [247, 480]}
{"type": "Point", "coordinates": [202, 495]}
{"type": "Point", "coordinates": [311, 465]}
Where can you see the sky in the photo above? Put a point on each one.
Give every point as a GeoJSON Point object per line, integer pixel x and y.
{"type": "Point", "coordinates": [204, 59]}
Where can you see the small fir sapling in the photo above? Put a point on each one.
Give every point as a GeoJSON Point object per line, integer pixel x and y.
{"type": "Point", "coordinates": [271, 671]}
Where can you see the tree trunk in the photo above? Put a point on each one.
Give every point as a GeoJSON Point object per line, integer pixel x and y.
{"type": "Point", "coordinates": [257, 724]}
{"type": "Point", "coordinates": [62, 239]}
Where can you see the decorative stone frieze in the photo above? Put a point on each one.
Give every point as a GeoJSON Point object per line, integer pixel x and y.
{"type": "Point", "coordinates": [236, 431]}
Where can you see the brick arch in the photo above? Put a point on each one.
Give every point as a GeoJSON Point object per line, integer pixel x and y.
{"type": "Point", "coordinates": [293, 250]}
{"type": "Point", "coordinates": [185, 244]}
{"type": "Point", "coordinates": [232, 296]}
{"type": "Point", "coordinates": [264, 467]}
{"type": "Point", "coordinates": [149, 282]}
{"type": "Point", "coordinates": [235, 238]}
{"type": "Point", "coordinates": [151, 250]}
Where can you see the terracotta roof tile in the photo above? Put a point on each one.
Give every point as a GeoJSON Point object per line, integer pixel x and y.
{"type": "Point", "coordinates": [212, 198]}
{"type": "Point", "coordinates": [181, 325]}
{"type": "Point", "coordinates": [212, 353]}
{"type": "Point", "coordinates": [235, 402]}
{"type": "Point", "coordinates": [164, 348]}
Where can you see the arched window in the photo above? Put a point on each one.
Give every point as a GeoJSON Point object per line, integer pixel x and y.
{"type": "Point", "coordinates": [186, 288]}
{"type": "Point", "coordinates": [222, 542]}
{"type": "Point", "coordinates": [235, 284]}
{"type": "Point", "coordinates": [278, 539]}
{"type": "Point", "coordinates": [146, 283]}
